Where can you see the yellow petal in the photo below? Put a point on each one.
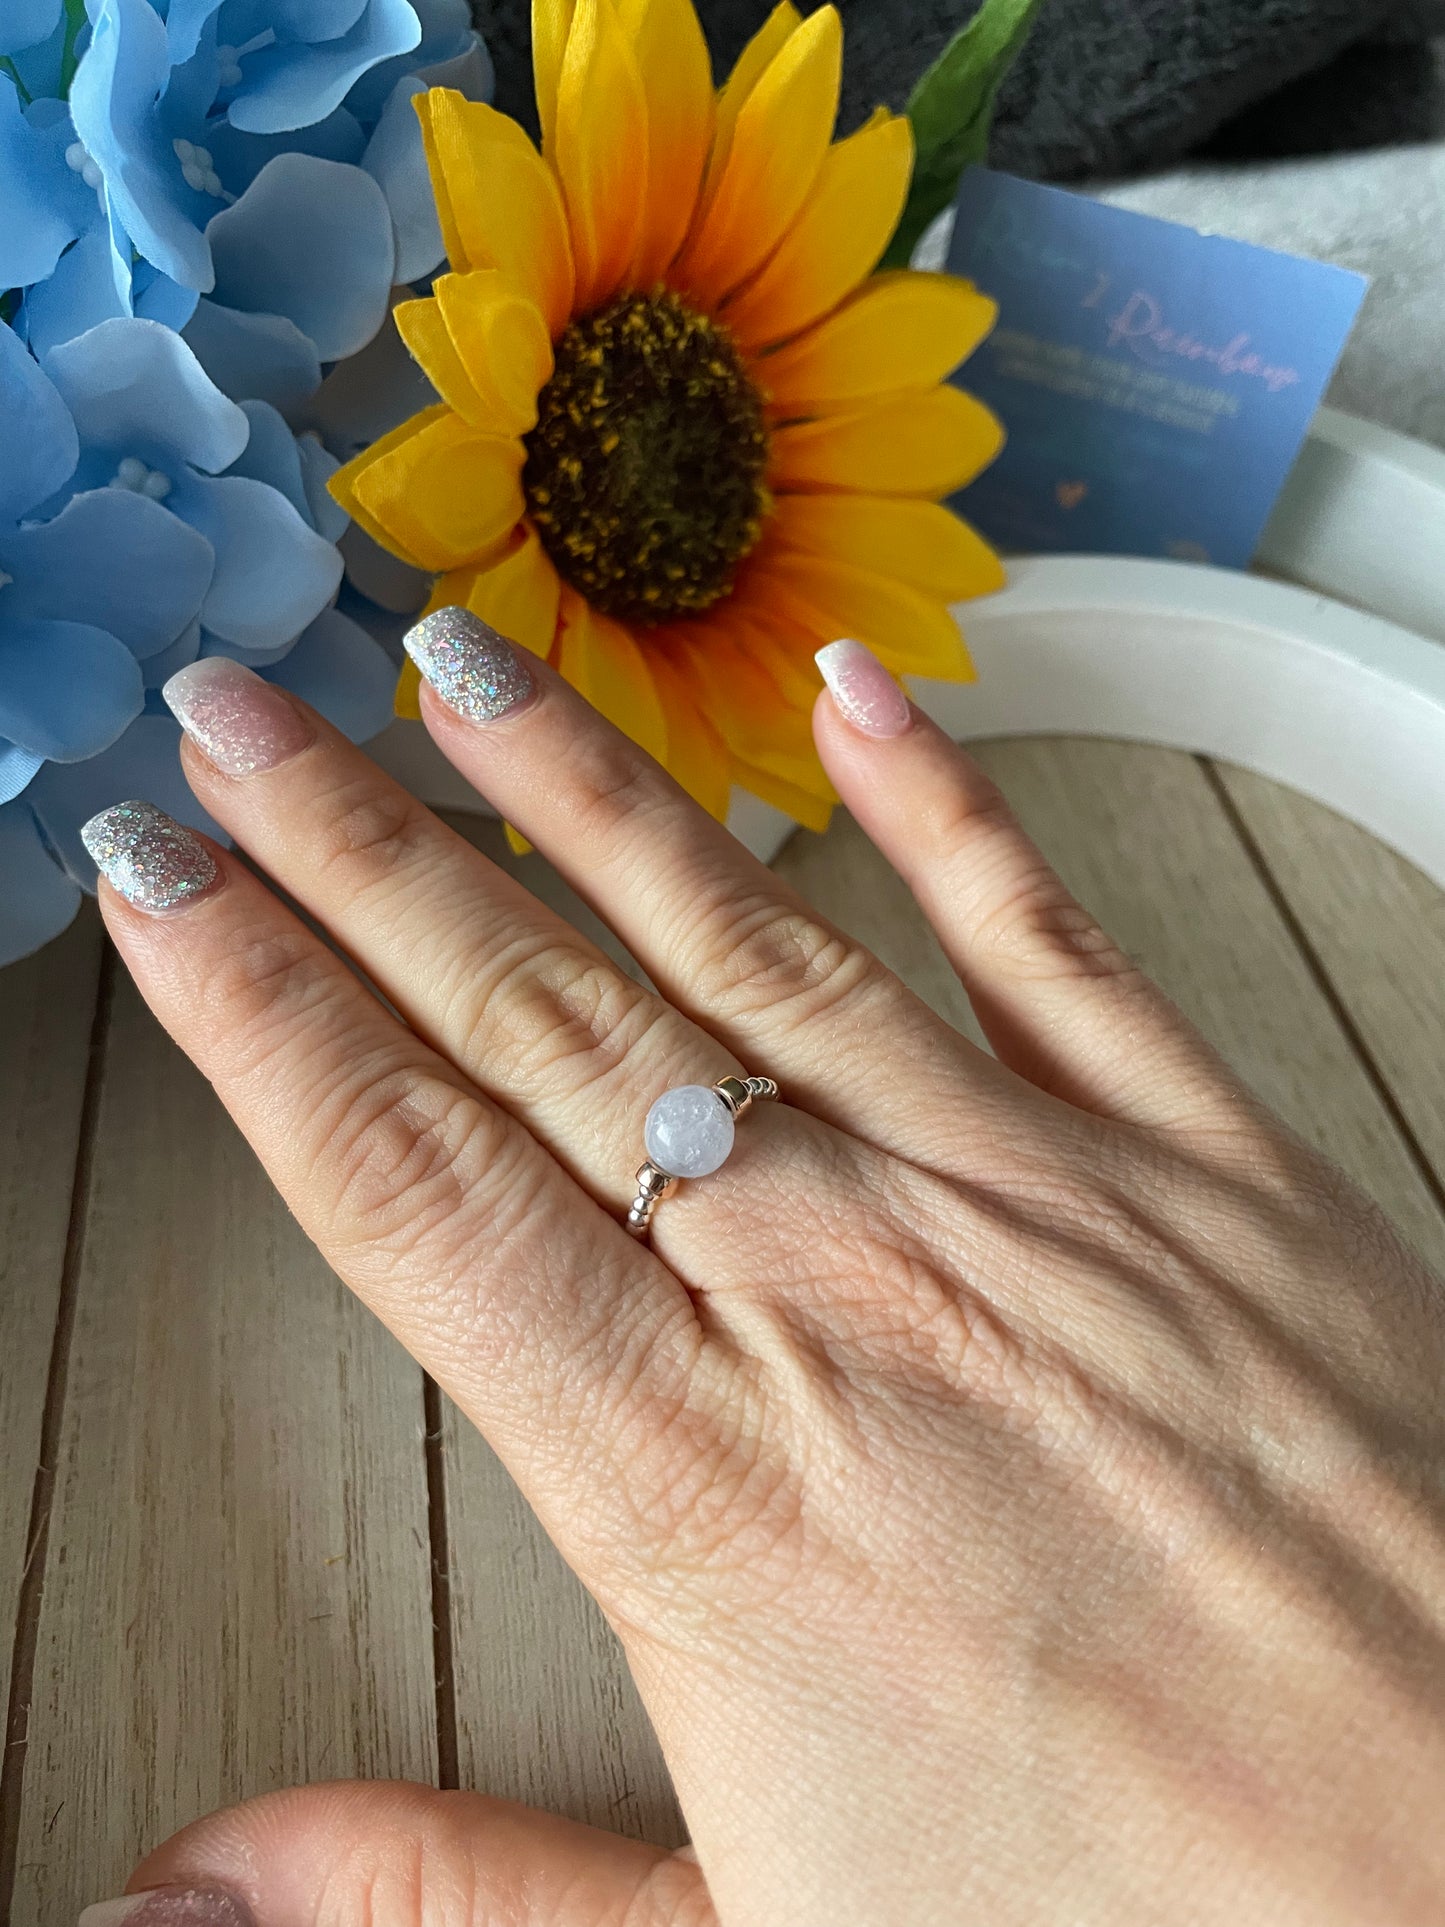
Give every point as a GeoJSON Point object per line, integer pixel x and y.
{"type": "Point", "coordinates": [442, 494]}
{"type": "Point", "coordinates": [502, 344]}
{"type": "Point", "coordinates": [499, 202]}
{"type": "Point", "coordinates": [519, 593]}
{"type": "Point", "coordinates": [600, 659]}
{"type": "Point", "coordinates": [600, 151]}
{"type": "Point", "coordinates": [810, 806]}
{"type": "Point", "coordinates": [421, 327]}
{"type": "Point", "coordinates": [676, 74]}
{"type": "Point", "coordinates": [902, 330]}
{"type": "Point", "coordinates": [847, 222]}
{"type": "Point", "coordinates": [912, 444]}
{"type": "Point", "coordinates": [343, 483]}
{"type": "Point", "coordinates": [922, 543]}
{"type": "Point", "coordinates": [695, 753]}
{"type": "Point", "coordinates": [752, 63]}
{"type": "Point", "coordinates": [908, 629]}
{"type": "Point", "coordinates": [551, 24]}
{"type": "Point", "coordinates": [782, 133]}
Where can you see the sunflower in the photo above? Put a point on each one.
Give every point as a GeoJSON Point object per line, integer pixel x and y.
{"type": "Point", "coordinates": [684, 434]}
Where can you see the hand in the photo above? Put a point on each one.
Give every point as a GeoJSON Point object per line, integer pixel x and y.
{"type": "Point", "coordinates": [1017, 1482]}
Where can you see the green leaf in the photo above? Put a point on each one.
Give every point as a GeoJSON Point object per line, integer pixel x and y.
{"type": "Point", "coordinates": [75, 18]}
{"type": "Point", "coordinates": [951, 109]}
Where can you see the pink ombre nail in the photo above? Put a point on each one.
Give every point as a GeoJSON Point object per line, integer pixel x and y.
{"type": "Point", "coordinates": [242, 723]}
{"type": "Point", "coordinates": [866, 695]}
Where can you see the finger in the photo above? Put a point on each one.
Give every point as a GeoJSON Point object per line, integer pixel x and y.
{"type": "Point", "coordinates": [723, 937]}
{"type": "Point", "coordinates": [542, 1318]}
{"type": "Point", "coordinates": [531, 1011]}
{"type": "Point", "coordinates": [1058, 1000]}
{"type": "Point", "coordinates": [373, 1854]}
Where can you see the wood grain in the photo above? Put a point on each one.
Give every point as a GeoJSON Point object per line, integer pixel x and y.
{"type": "Point", "coordinates": [1376, 928]}
{"type": "Point", "coordinates": [238, 1593]}
{"type": "Point", "coordinates": [1140, 836]}
{"type": "Point", "coordinates": [47, 1005]}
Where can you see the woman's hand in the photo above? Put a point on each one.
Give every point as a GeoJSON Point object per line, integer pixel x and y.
{"type": "Point", "coordinates": [1017, 1483]}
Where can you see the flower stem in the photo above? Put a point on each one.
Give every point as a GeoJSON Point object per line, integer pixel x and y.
{"type": "Point", "coordinates": [74, 21]}
{"type": "Point", "coordinates": [8, 67]}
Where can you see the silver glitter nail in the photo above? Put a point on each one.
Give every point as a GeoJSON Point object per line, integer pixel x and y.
{"type": "Point", "coordinates": [474, 670]}
{"type": "Point", "coordinates": [151, 859]}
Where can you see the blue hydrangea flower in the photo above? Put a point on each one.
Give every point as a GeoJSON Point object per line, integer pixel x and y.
{"type": "Point", "coordinates": [145, 519]}
{"type": "Point", "coordinates": [157, 187]}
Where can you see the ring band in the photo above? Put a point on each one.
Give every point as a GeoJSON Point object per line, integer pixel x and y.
{"type": "Point", "coordinates": [689, 1134]}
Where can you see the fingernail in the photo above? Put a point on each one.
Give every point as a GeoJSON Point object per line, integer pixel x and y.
{"type": "Point", "coordinates": [151, 859]}
{"type": "Point", "coordinates": [172, 1907]}
{"type": "Point", "coordinates": [242, 723]}
{"type": "Point", "coordinates": [866, 695]}
{"type": "Point", "coordinates": [475, 671]}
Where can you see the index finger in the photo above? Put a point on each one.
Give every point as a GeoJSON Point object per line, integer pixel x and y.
{"type": "Point", "coordinates": [522, 1297]}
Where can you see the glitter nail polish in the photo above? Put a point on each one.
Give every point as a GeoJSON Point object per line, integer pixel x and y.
{"type": "Point", "coordinates": [475, 671]}
{"type": "Point", "coordinates": [171, 1907]}
{"type": "Point", "coordinates": [242, 723]}
{"type": "Point", "coordinates": [153, 861]}
{"type": "Point", "coordinates": [866, 695]}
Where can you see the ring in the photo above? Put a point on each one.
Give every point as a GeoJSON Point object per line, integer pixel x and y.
{"type": "Point", "coordinates": [689, 1134]}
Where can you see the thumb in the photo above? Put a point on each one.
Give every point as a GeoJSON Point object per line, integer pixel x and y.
{"type": "Point", "coordinates": [386, 1854]}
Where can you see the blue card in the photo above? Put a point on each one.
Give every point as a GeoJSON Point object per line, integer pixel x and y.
{"type": "Point", "coordinates": [1156, 383]}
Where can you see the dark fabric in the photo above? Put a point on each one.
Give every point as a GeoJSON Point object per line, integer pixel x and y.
{"type": "Point", "coordinates": [1117, 86]}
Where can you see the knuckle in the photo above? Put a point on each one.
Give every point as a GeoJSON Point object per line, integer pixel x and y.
{"type": "Point", "coordinates": [406, 1153]}
{"type": "Point", "coordinates": [771, 956]}
{"type": "Point", "coordinates": [366, 824]}
{"type": "Point", "coordinates": [552, 1009]}
{"type": "Point", "coordinates": [265, 988]}
{"type": "Point", "coordinates": [1036, 930]}
{"type": "Point", "coordinates": [613, 787]}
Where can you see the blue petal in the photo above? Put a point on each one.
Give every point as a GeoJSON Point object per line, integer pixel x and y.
{"type": "Point", "coordinates": [274, 574]}
{"type": "Point", "coordinates": [41, 445]}
{"type": "Point", "coordinates": [78, 296]}
{"type": "Point", "coordinates": [155, 297]}
{"type": "Point", "coordinates": [159, 669]}
{"type": "Point", "coordinates": [340, 670]}
{"type": "Point", "coordinates": [66, 690]}
{"type": "Point", "coordinates": [113, 559]}
{"type": "Point", "coordinates": [293, 85]}
{"type": "Point", "coordinates": [114, 99]}
{"type": "Point", "coordinates": [37, 898]}
{"type": "Point", "coordinates": [270, 455]}
{"type": "Point", "coordinates": [369, 394]}
{"type": "Point", "coordinates": [318, 465]}
{"type": "Point", "coordinates": [239, 158]}
{"type": "Point", "coordinates": [41, 68]}
{"type": "Point", "coordinates": [446, 30]}
{"type": "Point", "coordinates": [145, 762]}
{"type": "Point", "coordinates": [26, 22]}
{"type": "Point", "coordinates": [263, 357]}
{"type": "Point", "coordinates": [311, 240]}
{"type": "Point", "coordinates": [396, 161]}
{"type": "Point", "coordinates": [37, 214]}
{"type": "Point", "coordinates": [313, 19]}
{"type": "Point", "coordinates": [134, 387]}
{"type": "Point", "coordinates": [186, 21]}
{"type": "Point", "coordinates": [253, 658]}
{"type": "Point", "coordinates": [17, 766]}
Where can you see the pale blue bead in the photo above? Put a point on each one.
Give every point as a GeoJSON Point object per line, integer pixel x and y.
{"type": "Point", "coordinates": [689, 1131]}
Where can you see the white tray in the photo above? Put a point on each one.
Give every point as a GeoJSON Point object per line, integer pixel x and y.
{"type": "Point", "coordinates": [1331, 680]}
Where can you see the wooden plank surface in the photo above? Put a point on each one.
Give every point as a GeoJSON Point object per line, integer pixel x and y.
{"type": "Point", "coordinates": [238, 1590]}
{"type": "Point", "coordinates": [1375, 928]}
{"type": "Point", "coordinates": [47, 1005]}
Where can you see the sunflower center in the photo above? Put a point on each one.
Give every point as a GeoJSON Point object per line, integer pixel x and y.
{"type": "Point", "coordinates": [644, 474]}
